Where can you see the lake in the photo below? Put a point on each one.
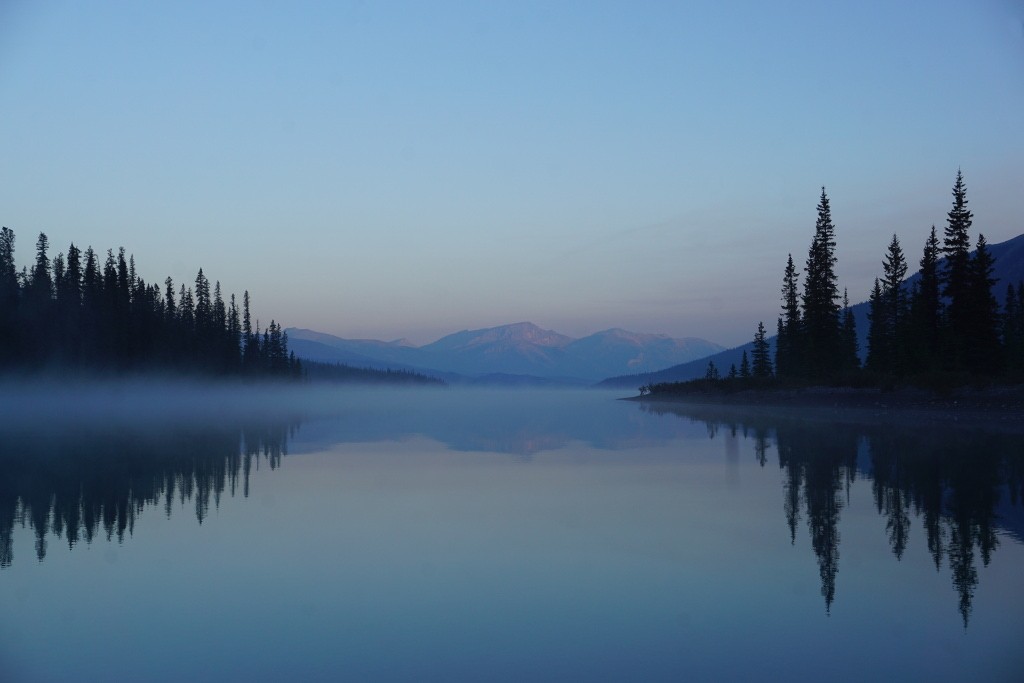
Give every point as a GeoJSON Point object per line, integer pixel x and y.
{"type": "Point", "coordinates": [445, 534]}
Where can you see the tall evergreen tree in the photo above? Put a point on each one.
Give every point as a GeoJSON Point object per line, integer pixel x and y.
{"type": "Point", "coordinates": [744, 366]}
{"type": "Point", "coordinates": [761, 353]}
{"type": "Point", "coordinates": [879, 334]}
{"type": "Point", "coordinates": [821, 298]}
{"type": "Point", "coordinates": [204, 306]}
{"type": "Point", "coordinates": [926, 309]}
{"type": "Point", "coordinates": [848, 338]}
{"type": "Point", "coordinates": [894, 271]}
{"type": "Point", "coordinates": [956, 276]}
{"type": "Point", "coordinates": [38, 303]}
{"type": "Point", "coordinates": [170, 308]}
{"type": "Point", "coordinates": [789, 337]}
{"type": "Point", "coordinates": [982, 342]}
{"type": "Point", "coordinates": [9, 294]}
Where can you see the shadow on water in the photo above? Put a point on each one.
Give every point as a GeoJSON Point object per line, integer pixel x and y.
{"type": "Point", "coordinates": [964, 486]}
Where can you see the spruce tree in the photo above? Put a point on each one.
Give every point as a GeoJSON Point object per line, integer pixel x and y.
{"type": "Point", "coordinates": [762, 365]}
{"type": "Point", "coordinates": [9, 295]}
{"type": "Point", "coordinates": [744, 366]}
{"type": "Point", "coordinates": [879, 334]}
{"type": "Point", "coordinates": [982, 341]}
{"type": "Point", "coordinates": [821, 298]}
{"type": "Point", "coordinates": [711, 374]}
{"type": "Point", "coordinates": [926, 309]}
{"type": "Point", "coordinates": [788, 339]}
{"type": "Point", "coordinates": [894, 308]}
{"type": "Point", "coordinates": [848, 338]}
{"type": "Point", "coordinates": [956, 277]}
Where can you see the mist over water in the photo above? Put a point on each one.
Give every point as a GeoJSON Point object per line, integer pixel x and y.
{"type": "Point", "coordinates": [210, 532]}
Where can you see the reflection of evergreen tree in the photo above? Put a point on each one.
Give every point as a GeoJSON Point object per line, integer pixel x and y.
{"type": "Point", "coordinates": [79, 484]}
{"type": "Point", "coordinates": [953, 481]}
{"type": "Point", "coordinates": [822, 459]}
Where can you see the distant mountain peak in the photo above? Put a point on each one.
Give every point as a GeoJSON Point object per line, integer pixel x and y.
{"type": "Point", "coordinates": [521, 348]}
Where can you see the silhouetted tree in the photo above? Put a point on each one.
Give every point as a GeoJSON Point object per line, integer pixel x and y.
{"type": "Point", "coordinates": [1013, 330]}
{"type": "Point", "coordinates": [762, 365]}
{"type": "Point", "coordinates": [850, 362]}
{"type": "Point", "coordinates": [711, 374]}
{"type": "Point", "coordinates": [956, 277]}
{"type": "Point", "coordinates": [9, 294]}
{"type": "Point", "coordinates": [821, 298]}
{"type": "Point", "coordinates": [879, 334]}
{"type": "Point", "coordinates": [789, 337]}
{"type": "Point", "coordinates": [926, 310]}
{"type": "Point", "coordinates": [982, 340]}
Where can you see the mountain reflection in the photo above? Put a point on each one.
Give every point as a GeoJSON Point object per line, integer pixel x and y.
{"type": "Point", "coordinates": [77, 483]}
{"type": "Point", "coordinates": [961, 484]}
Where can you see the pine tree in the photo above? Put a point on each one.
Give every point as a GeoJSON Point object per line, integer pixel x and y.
{"type": "Point", "coordinates": [848, 338]}
{"type": "Point", "coordinates": [788, 339]}
{"type": "Point", "coordinates": [879, 334]}
{"type": "Point", "coordinates": [711, 374]}
{"type": "Point", "coordinates": [744, 366]}
{"type": "Point", "coordinates": [204, 307]}
{"type": "Point", "coordinates": [9, 293]}
{"type": "Point", "coordinates": [170, 308]}
{"type": "Point", "coordinates": [894, 270]}
{"type": "Point", "coordinates": [926, 309]}
{"type": "Point", "coordinates": [956, 275]}
{"type": "Point", "coordinates": [821, 298]}
{"type": "Point", "coordinates": [40, 288]}
{"type": "Point", "coordinates": [234, 335]}
{"type": "Point", "coordinates": [762, 366]}
{"type": "Point", "coordinates": [982, 341]}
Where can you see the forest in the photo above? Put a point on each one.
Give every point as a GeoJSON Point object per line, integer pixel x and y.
{"type": "Point", "coordinates": [941, 328]}
{"type": "Point", "coordinates": [76, 314]}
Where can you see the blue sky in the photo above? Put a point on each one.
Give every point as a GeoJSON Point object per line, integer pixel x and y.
{"type": "Point", "coordinates": [410, 169]}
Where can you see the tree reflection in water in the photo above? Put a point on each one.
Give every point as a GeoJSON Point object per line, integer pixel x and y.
{"type": "Point", "coordinates": [953, 480]}
{"type": "Point", "coordinates": [76, 482]}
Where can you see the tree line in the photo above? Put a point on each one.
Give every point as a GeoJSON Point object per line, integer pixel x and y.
{"type": "Point", "coordinates": [945, 322]}
{"type": "Point", "coordinates": [80, 313]}
{"type": "Point", "coordinates": [943, 326]}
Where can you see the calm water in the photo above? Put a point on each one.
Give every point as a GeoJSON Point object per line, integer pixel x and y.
{"type": "Point", "coordinates": [457, 535]}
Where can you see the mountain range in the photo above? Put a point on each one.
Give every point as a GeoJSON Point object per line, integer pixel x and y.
{"type": "Point", "coordinates": [513, 353]}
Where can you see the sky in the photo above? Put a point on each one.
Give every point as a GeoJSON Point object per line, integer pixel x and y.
{"type": "Point", "coordinates": [409, 169]}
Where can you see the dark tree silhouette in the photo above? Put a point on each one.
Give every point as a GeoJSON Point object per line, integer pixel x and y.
{"type": "Point", "coordinates": [64, 315]}
{"type": "Point", "coordinates": [762, 366]}
{"type": "Point", "coordinates": [956, 276]}
{"type": "Point", "coordinates": [821, 298]}
{"type": "Point", "coordinates": [788, 340]}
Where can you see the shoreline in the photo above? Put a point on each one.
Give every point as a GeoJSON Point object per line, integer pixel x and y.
{"type": "Point", "coordinates": [999, 407]}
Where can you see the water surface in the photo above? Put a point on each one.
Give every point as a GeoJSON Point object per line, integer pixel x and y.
{"type": "Point", "coordinates": [450, 535]}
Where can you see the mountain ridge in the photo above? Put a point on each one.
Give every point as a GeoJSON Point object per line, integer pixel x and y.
{"type": "Point", "coordinates": [520, 349]}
